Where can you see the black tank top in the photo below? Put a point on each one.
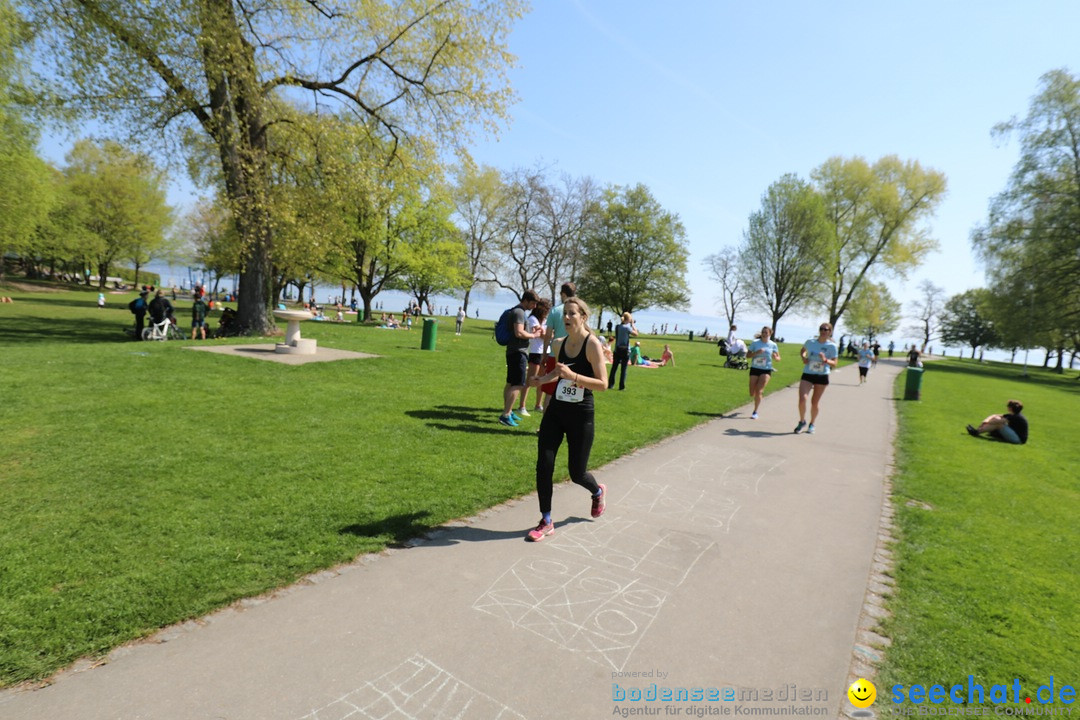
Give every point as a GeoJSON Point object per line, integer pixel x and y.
{"type": "Point", "coordinates": [579, 364]}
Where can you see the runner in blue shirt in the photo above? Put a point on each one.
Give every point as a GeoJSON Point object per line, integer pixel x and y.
{"type": "Point", "coordinates": [818, 356]}
{"type": "Point", "coordinates": [761, 352]}
{"type": "Point", "coordinates": [866, 359]}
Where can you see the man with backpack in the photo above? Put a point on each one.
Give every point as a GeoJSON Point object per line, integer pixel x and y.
{"type": "Point", "coordinates": [138, 307]}
{"type": "Point", "coordinates": [199, 311]}
{"type": "Point", "coordinates": [160, 308]}
{"type": "Point", "coordinates": [510, 331]}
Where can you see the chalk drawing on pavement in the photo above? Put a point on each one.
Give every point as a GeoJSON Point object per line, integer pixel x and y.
{"type": "Point", "coordinates": [600, 613]}
{"type": "Point", "coordinates": [417, 689]}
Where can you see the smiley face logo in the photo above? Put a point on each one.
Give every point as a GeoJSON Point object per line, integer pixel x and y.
{"type": "Point", "coordinates": [862, 693]}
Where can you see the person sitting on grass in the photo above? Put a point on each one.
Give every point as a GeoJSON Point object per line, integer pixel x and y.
{"type": "Point", "coordinates": [668, 358]}
{"type": "Point", "coordinates": [1010, 428]}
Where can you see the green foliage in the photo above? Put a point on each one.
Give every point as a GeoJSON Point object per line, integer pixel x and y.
{"type": "Point", "coordinates": [988, 559]}
{"type": "Point", "coordinates": [411, 69]}
{"type": "Point", "coordinates": [121, 200]}
{"type": "Point", "coordinates": [1031, 242]}
{"type": "Point", "coordinates": [436, 252]}
{"type": "Point", "coordinates": [635, 254]}
{"type": "Point", "coordinates": [875, 213]}
{"type": "Point", "coordinates": [150, 513]}
{"type": "Point", "coordinates": [26, 188]}
{"type": "Point", "coordinates": [966, 320]}
{"type": "Point", "coordinates": [479, 198]}
{"type": "Point", "coordinates": [873, 311]}
{"type": "Point", "coordinates": [212, 239]}
{"type": "Point", "coordinates": [784, 248]}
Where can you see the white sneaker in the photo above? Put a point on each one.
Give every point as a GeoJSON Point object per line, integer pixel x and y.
{"type": "Point", "coordinates": [523, 412]}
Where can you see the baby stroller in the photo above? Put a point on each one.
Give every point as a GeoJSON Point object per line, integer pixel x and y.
{"type": "Point", "coordinates": [735, 360]}
{"type": "Point", "coordinates": [228, 326]}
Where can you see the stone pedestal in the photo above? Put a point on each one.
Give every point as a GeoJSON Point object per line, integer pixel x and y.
{"type": "Point", "coordinates": [294, 344]}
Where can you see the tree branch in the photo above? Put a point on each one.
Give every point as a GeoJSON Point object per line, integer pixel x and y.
{"type": "Point", "coordinates": [144, 51]}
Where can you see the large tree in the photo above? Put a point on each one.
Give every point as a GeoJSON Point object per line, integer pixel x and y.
{"type": "Point", "coordinates": [635, 254]}
{"type": "Point", "coordinates": [412, 67]}
{"type": "Point", "coordinates": [784, 247]}
{"type": "Point", "coordinates": [123, 200]}
{"type": "Point", "coordinates": [872, 311]}
{"type": "Point", "coordinates": [26, 187]}
{"type": "Point", "coordinates": [966, 320]}
{"type": "Point", "coordinates": [927, 312]}
{"type": "Point", "coordinates": [723, 268]}
{"type": "Point", "coordinates": [211, 238]}
{"type": "Point", "coordinates": [479, 196]}
{"type": "Point", "coordinates": [876, 215]}
{"type": "Point", "coordinates": [1031, 242]}
{"type": "Point", "coordinates": [519, 261]}
{"type": "Point", "coordinates": [436, 252]}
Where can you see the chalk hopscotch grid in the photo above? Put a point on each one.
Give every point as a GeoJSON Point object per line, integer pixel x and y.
{"type": "Point", "coordinates": [736, 468]}
{"type": "Point", "coordinates": [576, 606]}
{"type": "Point", "coordinates": [662, 556]}
{"type": "Point", "coordinates": [415, 690]}
{"type": "Point", "coordinates": [601, 600]}
{"type": "Point", "coordinates": [690, 506]}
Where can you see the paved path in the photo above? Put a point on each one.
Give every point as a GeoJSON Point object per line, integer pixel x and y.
{"type": "Point", "coordinates": [733, 556]}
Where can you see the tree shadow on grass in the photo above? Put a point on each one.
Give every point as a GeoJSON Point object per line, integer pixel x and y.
{"type": "Point", "coordinates": [708, 414]}
{"type": "Point", "coordinates": [1004, 371]}
{"type": "Point", "coordinates": [18, 330]}
{"type": "Point", "coordinates": [112, 302]}
{"type": "Point", "coordinates": [397, 528]}
{"type": "Point", "coordinates": [458, 418]}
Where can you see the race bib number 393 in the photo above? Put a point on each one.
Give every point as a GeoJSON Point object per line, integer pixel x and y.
{"type": "Point", "coordinates": [569, 392]}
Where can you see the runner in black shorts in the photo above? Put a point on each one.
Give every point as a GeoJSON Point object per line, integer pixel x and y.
{"type": "Point", "coordinates": [580, 372]}
{"type": "Point", "coordinates": [818, 356]}
{"type": "Point", "coordinates": [517, 361]}
{"type": "Point", "coordinates": [761, 354]}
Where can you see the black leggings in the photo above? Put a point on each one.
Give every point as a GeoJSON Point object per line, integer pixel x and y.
{"type": "Point", "coordinates": [620, 358]}
{"type": "Point", "coordinates": [575, 421]}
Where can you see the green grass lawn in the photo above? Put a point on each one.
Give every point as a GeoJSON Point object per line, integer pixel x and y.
{"type": "Point", "coordinates": [144, 484]}
{"type": "Point", "coordinates": [989, 578]}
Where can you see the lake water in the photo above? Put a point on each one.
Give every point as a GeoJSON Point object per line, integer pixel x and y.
{"type": "Point", "coordinates": [491, 305]}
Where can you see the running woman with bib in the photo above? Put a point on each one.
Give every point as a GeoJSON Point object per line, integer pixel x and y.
{"type": "Point", "coordinates": [761, 352]}
{"type": "Point", "coordinates": [818, 357]}
{"type": "Point", "coordinates": [580, 373]}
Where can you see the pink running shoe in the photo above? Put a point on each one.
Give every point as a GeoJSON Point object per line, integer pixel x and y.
{"type": "Point", "coordinates": [540, 531]}
{"type": "Point", "coordinates": [599, 503]}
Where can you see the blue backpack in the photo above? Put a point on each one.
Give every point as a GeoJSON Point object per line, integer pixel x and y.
{"type": "Point", "coordinates": [504, 329]}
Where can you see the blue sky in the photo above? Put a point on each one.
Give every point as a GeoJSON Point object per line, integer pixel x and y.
{"type": "Point", "coordinates": [708, 102]}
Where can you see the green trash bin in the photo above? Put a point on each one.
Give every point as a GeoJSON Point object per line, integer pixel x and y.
{"type": "Point", "coordinates": [913, 384]}
{"type": "Point", "coordinates": [427, 342]}
{"type": "Point", "coordinates": [359, 314]}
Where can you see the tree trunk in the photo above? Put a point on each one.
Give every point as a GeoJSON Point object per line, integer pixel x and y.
{"type": "Point", "coordinates": [103, 272]}
{"type": "Point", "coordinates": [1060, 368]}
{"type": "Point", "coordinates": [367, 297]}
{"type": "Point", "coordinates": [238, 129]}
{"type": "Point", "coordinates": [465, 307]}
{"type": "Point", "coordinates": [137, 266]}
